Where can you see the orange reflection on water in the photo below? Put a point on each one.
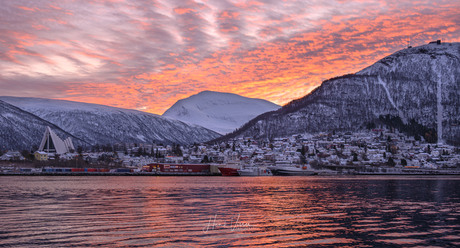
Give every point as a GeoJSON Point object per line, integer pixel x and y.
{"type": "Point", "coordinates": [227, 211]}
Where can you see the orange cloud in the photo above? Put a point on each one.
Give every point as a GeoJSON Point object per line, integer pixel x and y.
{"type": "Point", "coordinates": [131, 55]}
{"type": "Point", "coordinates": [26, 8]}
{"type": "Point", "coordinates": [182, 11]}
{"type": "Point", "coordinates": [282, 71]}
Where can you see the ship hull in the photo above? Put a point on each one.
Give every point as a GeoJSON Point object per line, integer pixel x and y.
{"type": "Point", "coordinates": [228, 171]}
{"type": "Point", "coordinates": [294, 171]}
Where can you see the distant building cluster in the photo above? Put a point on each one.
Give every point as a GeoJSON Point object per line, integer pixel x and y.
{"type": "Point", "coordinates": [334, 151]}
{"type": "Point", "coordinates": [378, 147]}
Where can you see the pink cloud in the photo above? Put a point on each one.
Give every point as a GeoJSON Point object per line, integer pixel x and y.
{"type": "Point", "coordinates": [152, 53]}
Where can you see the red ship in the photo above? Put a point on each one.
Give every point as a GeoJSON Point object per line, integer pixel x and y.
{"type": "Point", "coordinates": [228, 171]}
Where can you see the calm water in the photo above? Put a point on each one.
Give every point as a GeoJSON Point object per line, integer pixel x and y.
{"type": "Point", "coordinates": [229, 211]}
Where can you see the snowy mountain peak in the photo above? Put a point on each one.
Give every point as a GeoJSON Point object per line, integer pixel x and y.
{"type": "Point", "coordinates": [218, 111]}
{"type": "Point", "coordinates": [405, 57]}
{"type": "Point", "coordinates": [416, 89]}
{"type": "Point", "coordinates": [99, 124]}
{"type": "Point", "coordinates": [34, 103]}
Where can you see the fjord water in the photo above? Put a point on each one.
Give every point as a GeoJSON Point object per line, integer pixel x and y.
{"type": "Point", "coordinates": [229, 211]}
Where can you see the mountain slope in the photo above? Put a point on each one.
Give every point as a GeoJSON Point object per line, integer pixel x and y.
{"type": "Point", "coordinates": [221, 112]}
{"type": "Point", "coordinates": [22, 130]}
{"type": "Point", "coordinates": [98, 124]}
{"type": "Point", "coordinates": [420, 84]}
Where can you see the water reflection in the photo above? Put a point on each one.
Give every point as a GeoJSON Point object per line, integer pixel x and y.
{"type": "Point", "coordinates": [239, 211]}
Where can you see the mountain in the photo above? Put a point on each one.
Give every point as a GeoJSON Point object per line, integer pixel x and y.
{"type": "Point", "coordinates": [221, 112]}
{"type": "Point", "coordinates": [98, 124]}
{"type": "Point", "coordinates": [416, 89]}
{"type": "Point", "coordinates": [21, 130]}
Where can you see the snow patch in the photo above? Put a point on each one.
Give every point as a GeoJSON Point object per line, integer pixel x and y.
{"type": "Point", "coordinates": [384, 85]}
{"type": "Point", "coordinates": [141, 137]}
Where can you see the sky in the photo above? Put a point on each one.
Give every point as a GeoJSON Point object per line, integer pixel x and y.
{"type": "Point", "coordinates": [147, 54]}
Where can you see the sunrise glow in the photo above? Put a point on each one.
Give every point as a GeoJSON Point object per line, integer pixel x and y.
{"type": "Point", "coordinates": [146, 55]}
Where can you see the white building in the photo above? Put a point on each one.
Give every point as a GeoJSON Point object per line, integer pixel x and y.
{"type": "Point", "coordinates": [12, 155]}
{"type": "Point", "coordinates": [51, 143]}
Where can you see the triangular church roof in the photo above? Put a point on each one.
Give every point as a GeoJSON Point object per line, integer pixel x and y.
{"type": "Point", "coordinates": [51, 143]}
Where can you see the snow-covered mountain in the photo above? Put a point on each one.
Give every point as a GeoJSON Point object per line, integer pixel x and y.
{"type": "Point", "coordinates": [420, 86]}
{"type": "Point", "coordinates": [98, 124]}
{"type": "Point", "coordinates": [22, 130]}
{"type": "Point", "coordinates": [221, 112]}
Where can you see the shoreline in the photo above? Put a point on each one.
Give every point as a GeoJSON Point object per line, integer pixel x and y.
{"type": "Point", "coordinates": [100, 174]}
{"type": "Point", "coordinates": [83, 174]}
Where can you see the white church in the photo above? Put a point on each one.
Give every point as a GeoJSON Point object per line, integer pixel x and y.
{"type": "Point", "coordinates": [51, 143]}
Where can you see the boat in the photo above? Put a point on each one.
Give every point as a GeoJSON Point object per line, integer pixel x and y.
{"type": "Point", "coordinates": [228, 171]}
{"type": "Point", "coordinates": [254, 171]}
{"type": "Point", "coordinates": [230, 168]}
{"type": "Point", "coordinates": [291, 171]}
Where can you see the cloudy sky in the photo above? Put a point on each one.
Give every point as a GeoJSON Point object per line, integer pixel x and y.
{"type": "Point", "coordinates": [147, 54]}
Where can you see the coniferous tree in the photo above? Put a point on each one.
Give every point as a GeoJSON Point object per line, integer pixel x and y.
{"type": "Point", "coordinates": [403, 162]}
{"type": "Point", "coordinates": [355, 157]}
{"type": "Point", "coordinates": [391, 162]}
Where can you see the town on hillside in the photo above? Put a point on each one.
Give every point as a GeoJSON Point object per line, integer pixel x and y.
{"type": "Point", "coordinates": [367, 152]}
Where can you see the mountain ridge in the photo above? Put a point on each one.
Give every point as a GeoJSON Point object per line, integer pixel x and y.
{"type": "Point", "coordinates": [25, 135]}
{"type": "Point", "coordinates": [100, 124]}
{"type": "Point", "coordinates": [420, 84]}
